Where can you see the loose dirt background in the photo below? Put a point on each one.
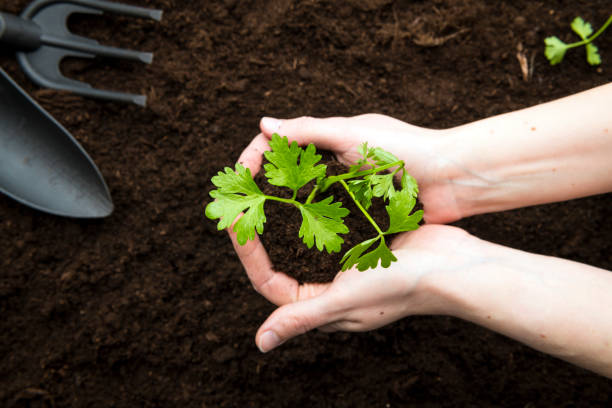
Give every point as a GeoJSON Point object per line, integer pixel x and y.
{"type": "Point", "coordinates": [150, 307]}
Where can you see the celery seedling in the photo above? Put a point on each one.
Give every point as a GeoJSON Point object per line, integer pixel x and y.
{"type": "Point", "coordinates": [555, 48]}
{"type": "Point", "coordinates": [292, 167]}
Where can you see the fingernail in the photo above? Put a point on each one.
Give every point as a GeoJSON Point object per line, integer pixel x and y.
{"type": "Point", "coordinates": [270, 125]}
{"type": "Point", "coordinates": [268, 341]}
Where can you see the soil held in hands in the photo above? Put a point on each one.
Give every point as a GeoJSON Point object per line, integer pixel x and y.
{"type": "Point", "coordinates": [288, 252]}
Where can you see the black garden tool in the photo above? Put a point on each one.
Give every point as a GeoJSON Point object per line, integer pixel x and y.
{"type": "Point", "coordinates": [41, 164]}
{"type": "Point", "coordinates": [42, 39]}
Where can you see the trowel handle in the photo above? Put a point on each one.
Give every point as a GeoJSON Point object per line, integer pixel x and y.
{"type": "Point", "coordinates": [23, 35]}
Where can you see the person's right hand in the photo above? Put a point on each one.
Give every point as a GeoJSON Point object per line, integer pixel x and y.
{"type": "Point", "coordinates": [422, 150]}
{"type": "Point", "coordinates": [361, 301]}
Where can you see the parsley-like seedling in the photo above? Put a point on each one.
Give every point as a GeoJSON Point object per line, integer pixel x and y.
{"type": "Point", "coordinates": [293, 167]}
{"type": "Point", "coordinates": [555, 48]}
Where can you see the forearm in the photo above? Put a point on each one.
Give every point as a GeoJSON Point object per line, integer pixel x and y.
{"type": "Point", "coordinates": [551, 152]}
{"type": "Point", "coordinates": [559, 307]}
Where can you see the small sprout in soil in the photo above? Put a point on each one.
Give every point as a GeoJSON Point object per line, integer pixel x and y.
{"type": "Point", "coordinates": [555, 48]}
{"type": "Point", "coordinates": [292, 167]}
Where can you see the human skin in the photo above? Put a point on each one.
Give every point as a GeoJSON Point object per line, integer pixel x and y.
{"type": "Point", "coordinates": [551, 152]}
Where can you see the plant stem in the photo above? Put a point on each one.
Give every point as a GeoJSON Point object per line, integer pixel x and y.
{"type": "Point", "coordinates": [312, 194]}
{"type": "Point", "coordinates": [345, 176]}
{"type": "Point", "coordinates": [284, 200]}
{"type": "Point", "coordinates": [340, 178]}
{"type": "Point", "coordinates": [365, 213]}
{"type": "Point", "coordinates": [594, 36]}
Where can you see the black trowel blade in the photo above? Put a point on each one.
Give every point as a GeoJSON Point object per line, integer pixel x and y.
{"type": "Point", "coordinates": [41, 164]}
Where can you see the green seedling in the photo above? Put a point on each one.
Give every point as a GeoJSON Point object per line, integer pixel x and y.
{"type": "Point", "coordinates": [555, 48]}
{"type": "Point", "coordinates": [293, 167]}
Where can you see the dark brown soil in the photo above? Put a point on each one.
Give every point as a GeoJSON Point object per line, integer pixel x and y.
{"type": "Point", "coordinates": [151, 308]}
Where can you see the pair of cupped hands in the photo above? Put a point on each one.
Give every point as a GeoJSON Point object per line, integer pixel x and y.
{"type": "Point", "coordinates": [354, 300]}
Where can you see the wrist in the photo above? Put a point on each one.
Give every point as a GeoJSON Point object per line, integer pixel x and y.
{"type": "Point", "coordinates": [492, 165]}
{"type": "Point", "coordinates": [442, 276]}
{"type": "Point", "coordinates": [432, 161]}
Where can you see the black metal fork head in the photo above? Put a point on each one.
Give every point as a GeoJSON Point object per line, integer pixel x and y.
{"type": "Point", "coordinates": [48, 19]}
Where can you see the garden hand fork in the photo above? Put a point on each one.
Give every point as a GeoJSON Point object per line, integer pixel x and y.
{"type": "Point", "coordinates": [42, 39]}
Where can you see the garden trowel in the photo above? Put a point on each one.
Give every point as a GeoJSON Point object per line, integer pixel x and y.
{"type": "Point", "coordinates": [41, 164]}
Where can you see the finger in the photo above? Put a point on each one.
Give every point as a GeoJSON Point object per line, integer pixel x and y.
{"type": "Point", "coordinates": [292, 320]}
{"type": "Point", "coordinates": [277, 287]}
{"type": "Point", "coordinates": [252, 156]}
{"type": "Point", "coordinates": [328, 133]}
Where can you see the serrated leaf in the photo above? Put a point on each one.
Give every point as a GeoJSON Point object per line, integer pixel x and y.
{"type": "Point", "coordinates": [593, 57]}
{"type": "Point", "coordinates": [555, 50]}
{"type": "Point", "coordinates": [308, 170]}
{"type": "Point", "coordinates": [361, 163]}
{"type": "Point", "coordinates": [364, 150]}
{"type": "Point", "coordinates": [357, 166]}
{"type": "Point", "coordinates": [362, 190]}
{"type": "Point", "coordinates": [383, 157]}
{"type": "Point", "coordinates": [282, 155]}
{"type": "Point", "coordinates": [399, 209]}
{"type": "Point", "coordinates": [382, 185]}
{"type": "Point", "coordinates": [410, 184]}
{"type": "Point", "coordinates": [582, 28]}
{"type": "Point", "coordinates": [351, 257]}
{"type": "Point", "coordinates": [321, 224]}
{"type": "Point", "coordinates": [371, 259]}
{"type": "Point", "coordinates": [238, 181]}
{"type": "Point", "coordinates": [291, 166]}
{"type": "Point", "coordinates": [236, 193]}
{"type": "Point", "coordinates": [228, 206]}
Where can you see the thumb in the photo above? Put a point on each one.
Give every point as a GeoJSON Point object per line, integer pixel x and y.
{"type": "Point", "coordinates": [328, 133]}
{"type": "Point", "coordinates": [291, 320]}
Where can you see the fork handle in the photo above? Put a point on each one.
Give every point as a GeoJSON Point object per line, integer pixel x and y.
{"type": "Point", "coordinates": [22, 34]}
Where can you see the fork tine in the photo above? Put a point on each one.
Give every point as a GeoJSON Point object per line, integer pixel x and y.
{"type": "Point", "coordinates": [49, 76]}
{"type": "Point", "coordinates": [54, 17]}
{"type": "Point", "coordinates": [116, 8]}
{"type": "Point", "coordinates": [42, 66]}
{"type": "Point", "coordinates": [76, 43]}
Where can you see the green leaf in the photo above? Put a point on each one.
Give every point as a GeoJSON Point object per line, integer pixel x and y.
{"type": "Point", "coordinates": [284, 169]}
{"type": "Point", "coordinates": [582, 28]}
{"type": "Point", "coordinates": [239, 181]}
{"type": "Point", "coordinates": [555, 50]}
{"type": "Point", "coordinates": [399, 209]}
{"type": "Point", "coordinates": [371, 259]}
{"type": "Point", "coordinates": [365, 151]}
{"type": "Point", "coordinates": [236, 193]}
{"type": "Point", "coordinates": [362, 190]}
{"type": "Point", "coordinates": [322, 222]}
{"type": "Point", "coordinates": [410, 184]}
{"type": "Point", "coordinates": [593, 57]}
{"type": "Point", "coordinates": [380, 157]}
{"type": "Point", "coordinates": [383, 157]}
{"type": "Point", "coordinates": [351, 257]}
{"type": "Point", "coordinates": [252, 220]}
{"type": "Point", "coordinates": [354, 168]}
{"type": "Point", "coordinates": [382, 185]}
